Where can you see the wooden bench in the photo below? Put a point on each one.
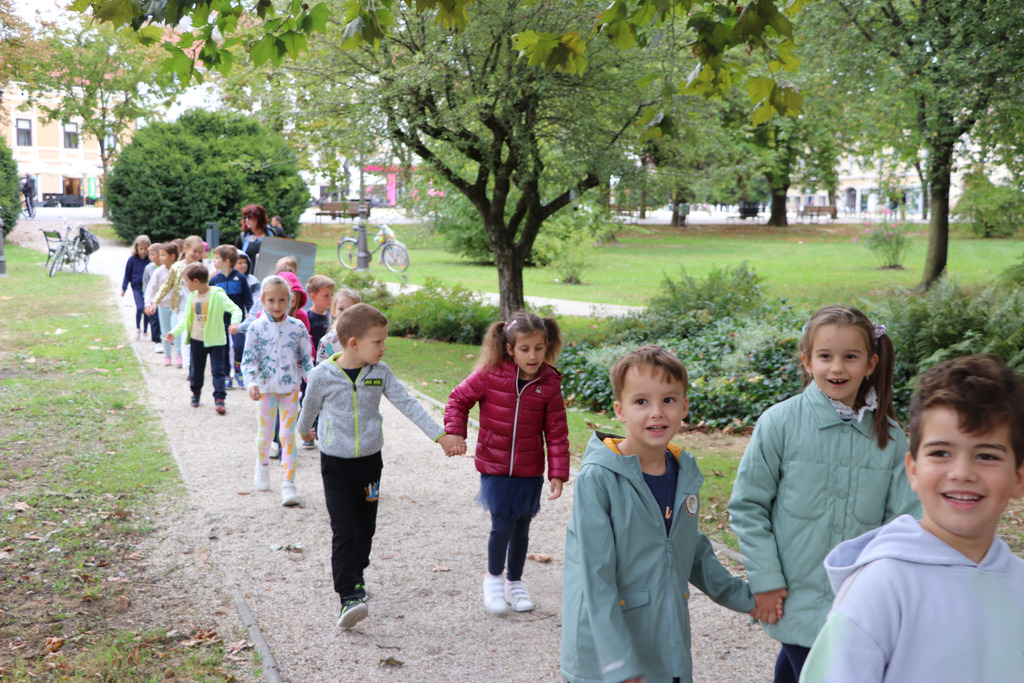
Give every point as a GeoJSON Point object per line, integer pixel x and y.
{"type": "Point", "coordinates": [816, 212]}
{"type": "Point", "coordinates": [349, 209]}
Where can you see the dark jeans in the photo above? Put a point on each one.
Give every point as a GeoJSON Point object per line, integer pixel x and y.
{"type": "Point", "coordinates": [790, 663]}
{"type": "Point", "coordinates": [154, 328]}
{"type": "Point", "coordinates": [140, 307]}
{"type": "Point", "coordinates": [513, 536]}
{"type": "Point", "coordinates": [198, 368]}
{"type": "Point", "coordinates": [351, 487]}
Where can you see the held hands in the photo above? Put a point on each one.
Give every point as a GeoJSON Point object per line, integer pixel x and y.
{"type": "Point", "coordinates": [150, 310]}
{"type": "Point", "coordinates": [254, 393]}
{"type": "Point", "coordinates": [233, 328]}
{"type": "Point", "coordinates": [768, 605]}
{"type": "Point", "coordinates": [168, 337]}
{"type": "Point", "coordinates": [452, 445]}
{"type": "Point", "coordinates": [556, 488]}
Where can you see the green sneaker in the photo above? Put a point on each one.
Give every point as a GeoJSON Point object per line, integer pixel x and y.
{"type": "Point", "coordinates": [352, 612]}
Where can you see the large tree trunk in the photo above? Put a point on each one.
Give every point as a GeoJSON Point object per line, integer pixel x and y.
{"type": "Point", "coordinates": [778, 218]}
{"type": "Point", "coordinates": [938, 226]}
{"type": "Point", "coordinates": [510, 280]}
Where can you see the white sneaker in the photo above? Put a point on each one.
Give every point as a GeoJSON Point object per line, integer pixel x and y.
{"type": "Point", "coordinates": [262, 477]}
{"type": "Point", "coordinates": [158, 348]}
{"type": "Point", "coordinates": [494, 598]}
{"type": "Point", "coordinates": [517, 596]}
{"type": "Point", "coordinates": [289, 498]}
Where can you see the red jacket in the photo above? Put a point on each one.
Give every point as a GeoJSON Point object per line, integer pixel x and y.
{"type": "Point", "coordinates": [506, 415]}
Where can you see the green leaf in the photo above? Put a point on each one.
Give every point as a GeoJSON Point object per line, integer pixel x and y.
{"type": "Point", "coordinates": [264, 49]}
{"type": "Point", "coordinates": [148, 35]}
{"type": "Point", "coordinates": [761, 113]}
{"type": "Point", "coordinates": [117, 12]}
{"type": "Point", "coordinates": [760, 88]}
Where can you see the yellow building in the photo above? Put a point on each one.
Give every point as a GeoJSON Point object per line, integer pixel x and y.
{"type": "Point", "coordinates": [64, 162]}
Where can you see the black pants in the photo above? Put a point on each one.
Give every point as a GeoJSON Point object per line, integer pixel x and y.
{"type": "Point", "coordinates": [790, 662]}
{"type": "Point", "coordinates": [197, 368]}
{"type": "Point", "coordinates": [511, 536]}
{"type": "Point", "coordinates": [351, 487]}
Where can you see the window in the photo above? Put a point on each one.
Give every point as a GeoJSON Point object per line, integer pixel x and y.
{"type": "Point", "coordinates": [71, 135]}
{"type": "Point", "coordinates": [109, 142]}
{"type": "Point", "coordinates": [24, 133]}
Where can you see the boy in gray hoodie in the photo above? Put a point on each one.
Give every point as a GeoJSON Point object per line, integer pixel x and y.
{"type": "Point", "coordinates": [345, 391]}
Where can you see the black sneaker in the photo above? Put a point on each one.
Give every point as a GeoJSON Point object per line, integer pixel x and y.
{"type": "Point", "coordinates": [195, 401]}
{"type": "Point", "coordinates": [352, 612]}
{"type": "Point", "coordinates": [359, 591]}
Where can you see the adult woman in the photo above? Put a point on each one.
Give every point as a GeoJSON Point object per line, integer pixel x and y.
{"type": "Point", "coordinates": [254, 229]}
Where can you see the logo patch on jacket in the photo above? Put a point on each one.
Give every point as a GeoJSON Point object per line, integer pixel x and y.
{"type": "Point", "coordinates": [691, 504]}
{"type": "Point", "coordinates": [372, 491]}
{"type": "Point", "coordinates": [373, 382]}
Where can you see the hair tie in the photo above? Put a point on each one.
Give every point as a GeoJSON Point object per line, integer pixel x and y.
{"type": "Point", "coordinates": [879, 330]}
{"type": "Point", "coordinates": [509, 324]}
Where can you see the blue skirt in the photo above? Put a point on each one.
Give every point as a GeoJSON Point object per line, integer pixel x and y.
{"type": "Point", "coordinates": [511, 497]}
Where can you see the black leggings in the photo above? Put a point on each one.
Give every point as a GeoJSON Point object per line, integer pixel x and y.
{"type": "Point", "coordinates": [511, 536]}
{"type": "Point", "coordinates": [790, 663]}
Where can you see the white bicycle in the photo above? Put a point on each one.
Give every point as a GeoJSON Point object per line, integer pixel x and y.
{"type": "Point", "coordinates": [393, 254]}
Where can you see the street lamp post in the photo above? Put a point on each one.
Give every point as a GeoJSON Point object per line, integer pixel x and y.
{"type": "Point", "coordinates": [363, 257]}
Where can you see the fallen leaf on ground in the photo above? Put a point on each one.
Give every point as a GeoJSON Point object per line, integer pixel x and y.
{"type": "Point", "coordinates": [439, 568]}
{"type": "Point", "coordinates": [391, 661]}
{"type": "Point", "coordinates": [540, 557]}
{"type": "Point", "coordinates": [53, 644]}
{"type": "Point", "coordinates": [22, 506]}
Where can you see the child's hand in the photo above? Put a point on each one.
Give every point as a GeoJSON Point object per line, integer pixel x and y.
{"type": "Point", "coordinates": [452, 444]}
{"type": "Point", "coordinates": [310, 437]}
{"type": "Point", "coordinates": [556, 488]}
{"type": "Point", "coordinates": [168, 337]}
{"type": "Point", "coordinates": [150, 310]}
{"type": "Point", "coordinates": [254, 392]}
{"type": "Point", "coordinates": [122, 292]}
{"type": "Point", "coordinates": [768, 605]}
{"type": "Point", "coordinates": [233, 328]}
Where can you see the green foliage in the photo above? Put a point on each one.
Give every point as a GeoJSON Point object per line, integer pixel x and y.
{"type": "Point", "coordinates": [990, 210]}
{"type": "Point", "coordinates": [454, 218]}
{"type": "Point", "coordinates": [889, 242]}
{"type": "Point", "coordinates": [567, 241]}
{"type": "Point", "coordinates": [441, 312]}
{"type": "Point", "coordinates": [10, 188]}
{"type": "Point", "coordinates": [687, 305]}
{"type": "Point", "coordinates": [373, 291]}
{"type": "Point", "coordinates": [174, 178]}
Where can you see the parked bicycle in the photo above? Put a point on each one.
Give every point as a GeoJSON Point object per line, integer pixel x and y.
{"type": "Point", "coordinates": [393, 253]}
{"type": "Point", "coordinates": [73, 250]}
{"type": "Point", "coordinates": [28, 208]}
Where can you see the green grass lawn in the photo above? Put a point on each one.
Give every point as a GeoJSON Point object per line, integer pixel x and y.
{"type": "Point", "coordinates": [810, 265]}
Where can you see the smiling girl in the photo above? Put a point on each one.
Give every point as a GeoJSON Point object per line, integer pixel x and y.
{"type": "Point", "coordinates": [821, 467]}
{"type": "Point", "coordinates": [521, 408]}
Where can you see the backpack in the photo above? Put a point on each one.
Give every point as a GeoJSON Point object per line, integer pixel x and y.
{"type": "Point", "coordinates": [89, 240]}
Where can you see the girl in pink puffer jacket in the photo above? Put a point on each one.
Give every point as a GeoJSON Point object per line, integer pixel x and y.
{"type": "Point", "coordinates": [521, 408]}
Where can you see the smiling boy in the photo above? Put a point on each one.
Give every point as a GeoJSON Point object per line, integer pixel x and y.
{"type": "Point", "coordinates": [633, 544]}
{"type": "Point", "coordinates": [941, 599]}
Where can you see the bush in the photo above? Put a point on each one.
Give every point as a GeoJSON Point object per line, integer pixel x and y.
{"type": "Point", "coordinates": [688, 305]}
{"type": "Point", "coordinates": [990, 210]}
{"type": "Point", "coordinates": [567, 240]}
{"type": "Point", "coordinates": [373, 291]}
{"type": "Point", "coordinates": [889, 243]}
{"type": "Point", "coordinates": [441, 312]}
{"type": "Point", "coordinates": [174, 178]}
{"type": "Point", "coordinates": [10, 188]}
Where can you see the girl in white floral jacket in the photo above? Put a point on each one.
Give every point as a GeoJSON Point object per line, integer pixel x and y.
{"type": "Point", "coordinates": [276, 360]}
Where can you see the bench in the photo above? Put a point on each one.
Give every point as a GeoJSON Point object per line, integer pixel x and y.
{"type": "Point", "coordinates": [349, 209]}
{"type": "Point", "coordinates": [52, 238]}
{"type": "Point", "coordinates": [815, 212]}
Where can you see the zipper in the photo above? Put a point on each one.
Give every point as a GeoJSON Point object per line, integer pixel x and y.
{"type": "Point", "coordinates": [515, 420]}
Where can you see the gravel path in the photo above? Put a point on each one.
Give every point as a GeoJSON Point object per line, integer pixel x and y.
{"type": "Point", "coordinates": [426, 619]}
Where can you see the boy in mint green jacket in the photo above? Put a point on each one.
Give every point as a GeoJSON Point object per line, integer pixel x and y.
{"type": "Point", "coordinates": [203, 325]}
{"type": "Point", "coordinates": [633, 544]}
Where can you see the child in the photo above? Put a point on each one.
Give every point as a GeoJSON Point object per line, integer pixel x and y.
{"type": "Point", "coordinates": [633, 543]}
{"type": "Point", "coordinates": [244, 266]}
{"type": "Point", "coordinates": [521, 407]}
{"type": "Point", "coordinates": [237, 288]}
{"type": "Point", "coordinates": [941, 599]}
{"type": "Point", "coordinates": [191, 251]}
{"type": "Point", "coordinates": [203, 324]}
{"type": "Point", "coordinates": [298, 299]}
{"type": "Point", "coordinates": [346, 393]}
{"type": "Point", "coordinates": [821, 467]}
{"type": "Point", "coordinates": [276, 359]}
{"type": "Point", "coordinates": [328, 346]}
{"type": "Point", "coordinates": [321, 289]}
{"type": "Point", "coordinates": [170, 306]}
{"type": "Point", "coordinates": [133, 271]}
{"type": "Point", "coordinates": [151, 319]}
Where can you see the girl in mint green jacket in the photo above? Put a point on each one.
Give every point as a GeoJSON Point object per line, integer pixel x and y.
{"type": "Point", "coordinates": [821, 467]}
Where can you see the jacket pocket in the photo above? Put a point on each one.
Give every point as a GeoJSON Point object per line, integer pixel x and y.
{"type": "Point", "coordinates": [803, 488]}
{"type": "Point", "coordinates": [632, 599]}
{"type": "Point", "coordinates": [871, 491]}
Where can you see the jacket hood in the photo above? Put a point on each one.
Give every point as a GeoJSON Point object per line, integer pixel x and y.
{"type": "Point", "coordinates": [602, 450]}
{"type": "Point", "coordinates": [904, 539]}
{"type": "Point", "coordinates": [293, 280]}
{"type": "Point", "coordinates": [243, 255]}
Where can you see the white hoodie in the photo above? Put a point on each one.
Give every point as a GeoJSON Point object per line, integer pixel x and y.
{"type": "Point", "coordinates": [910, 608]}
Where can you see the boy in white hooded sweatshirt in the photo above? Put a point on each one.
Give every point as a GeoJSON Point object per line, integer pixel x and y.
{"type": "Point", "coordinates": [941, 599]}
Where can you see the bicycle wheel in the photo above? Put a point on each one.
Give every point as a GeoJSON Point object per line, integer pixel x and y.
{"type": "Point", "coordinates": [58, 259]}
{"type": "Point", "coordinates": [395, 257]}
{"type": "Point", "coordinates": [348, 252]}
{"type": "Point", "coordinates": [79, 259]}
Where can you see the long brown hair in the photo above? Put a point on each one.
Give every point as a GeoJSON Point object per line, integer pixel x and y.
{"type": "Point", "coordinates": [877, 343]}
{"type": "Point", "coordinates": [493, 351]}
{"type": "Point", "coordinates": [258, 212]}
